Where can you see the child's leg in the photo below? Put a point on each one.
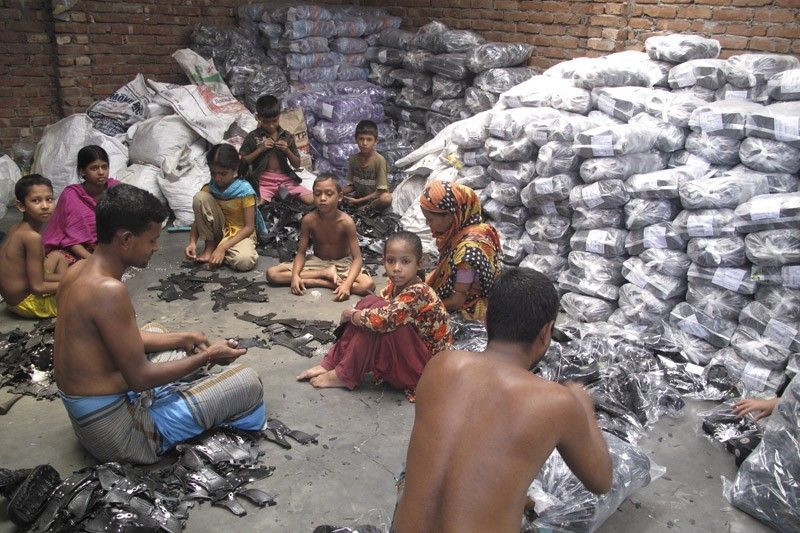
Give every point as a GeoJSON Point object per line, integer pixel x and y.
{"type": "Point", "coordinates": [242, 256]}
{"type": "Point", "coordinates": [55, 263]}
{"type": "Point", "coordinates": [382, 202]}
{"type": "Point", "coordinates": [209, 221]}
{"type": "Point", "coordinates": [351, 357]}
{"type": "Point", "coordinates": [362, 285]}
{"type": "Point", "coordinates": [268, 184]}
{"type": "Point", "coordinates": [315, 273]}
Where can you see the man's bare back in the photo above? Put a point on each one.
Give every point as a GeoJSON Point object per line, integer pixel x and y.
{"type": "Point", "coordinates": [330, 235]}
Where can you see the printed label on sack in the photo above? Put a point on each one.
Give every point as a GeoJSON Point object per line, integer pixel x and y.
{"type": "Point", "coordinates": [780, 333]}
{"type": "Point", "coordinates": [786, 128]}
{"type": "Point", "coordinates": [764, 208]}
{"type": "Point", "coordinates": [694, 369]}
{"type": "Point", "coordinates": [700, 225]}
{"type": "Point", "coordinates": [549, 208]}
{"type": "Point", "coordinates": [755, 377]}
{"type": "Point", "coordinates": [591, 195]}
{"type": "Point", "coordinates": [729, 278]}
{"type": "Point", "coordinates": [790, 83]}
{"type": "Point", "coordinates": [655, 236]}
{"type": "Point", "coordinates": [790, 275]}
{"type": "Point", "coordinates": [382, 56]}
{"type": "Point", "coordinates": [606, 104]}
{"type": "Point", "coordinates": [710, 122]}
{"type": "Point", "coordinates": [544, 186]}
{"type": "Point", "coordinates": [691, 326]}
{"type": "Point", "coordinates": [637, 277]}
{"type": "Point", "coordinates": [596, 241]}
{"type": "Point", "coordinates": [602, 145]}
{"type": "Point", "coordinates": [735, 95]}
{"type": "Point", "coordinates": [327, 110]}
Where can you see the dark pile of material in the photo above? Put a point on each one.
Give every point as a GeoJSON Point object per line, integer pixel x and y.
{"type": "Point", "coordinates": [234, 289]}
{"type": "Point", "coordinates": [295, 334]}
{"type": "Point", "coordinates": [22, 353]}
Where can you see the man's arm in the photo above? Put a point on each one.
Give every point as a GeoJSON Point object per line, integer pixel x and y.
{"type": "Point", "coordinates": [34, 265]}
{"type": "Point", "coordinates": [296, 284]}
{"type": "Point", "coordinates": [342, 292]}
{"type": "Point", "coordinates": [190, 341]}
{"type": "Point", "coordinates": [115, 321]}
{"type": "Point", "coordinates": [80, 251]}
{"type": "Point", "coordinates": [582, 444]}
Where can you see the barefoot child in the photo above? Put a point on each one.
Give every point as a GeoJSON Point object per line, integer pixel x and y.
{"type": "Point", "coordinates": [336, 263]}
{"type": "Point", "coordinates": [269, 153]}
{"type": "Point", "coordinates": [27, 282]}
{"type": "Point", "coordinates": [225, 215]}
{"type": "Point", "coordinates": [71, 231]}
{"type": "Point", "coordinates": [367, 180]}
{"type": "Point", "coordinates": [393, 336]}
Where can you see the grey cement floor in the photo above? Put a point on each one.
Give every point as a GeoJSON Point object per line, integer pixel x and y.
{"type": "Point", "coordinates": [349, 477]}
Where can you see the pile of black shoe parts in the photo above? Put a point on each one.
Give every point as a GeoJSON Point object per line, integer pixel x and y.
{"type": "Point", "coordinates": [26, 360]}
{"type": "Point", "coordinates": [740, 436]}
{"type": "Point", "coordinates": [293, 333]}
{"type": "Point", "coordinates": [233, 289]}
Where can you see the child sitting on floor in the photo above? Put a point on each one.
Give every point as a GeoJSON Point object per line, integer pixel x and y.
{"type": "Point", "coordinates": [28, 281]}
{"type": "Point", "coordinates": [71, 231]}
{"type": "Point", "coordinates": [367, 173]}
{"type": "Point", "coordinates": [336, 263]}
{"type": "Point", "coordinates": [225, 215]}
{"type": "Point", "coordinates": [267, 152]}
{"type": "Point", "coordinates": [393, 336]}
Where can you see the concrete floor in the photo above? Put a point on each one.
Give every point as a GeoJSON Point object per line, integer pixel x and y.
{"type": "Point", "coordinates": [349, 477]}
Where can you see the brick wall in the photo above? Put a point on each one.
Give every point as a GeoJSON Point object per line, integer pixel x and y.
{"type": "Point", "coordinates": [56, 67]}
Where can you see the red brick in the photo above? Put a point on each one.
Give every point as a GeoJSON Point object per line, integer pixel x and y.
{"type": "Point", "coordinates": [766, 44]}
{"type": "Point", "coordinates": [732, 13]}
{"type": "Point", "coordinates": [694, 12]}
{"type": "Point", "coordinates": [775, 15]}
{"type": "Point", "coordinates": [660, 11]}
{"type": "Point", "coordinates": [606, 20]}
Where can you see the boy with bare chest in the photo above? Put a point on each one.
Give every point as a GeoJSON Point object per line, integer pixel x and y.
{"type": "Point", "coordinates": [336, 262]}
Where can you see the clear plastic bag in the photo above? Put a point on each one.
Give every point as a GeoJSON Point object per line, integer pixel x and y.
{"type": "Point", "coordinates": [472, 132]}
{"type": "Point", "coordinates": [749, 70]}
{"type": "Point", "coordinates": [692, 348]}
{"type": "Point", "coordinates": [752, 94]}
{"type": "Point", "coordinates": [615, 140]}
{"type": "Point", "coordinates": [385, 56]}
{"type": "Point", "coordinates": [395, 38]}
{"type": "Point", "coordinates": [634, 300]}
{"type": "Point", "coordinates": [572, 99]}
{"type": "Point", "coordinates": [769, 211]}
{"type": "Point", "coordinates": [474, 177]}
{"type": "Point", "coordinates": [714, 330]}
{"type": "Point", "coordinates": [521, 149]}
{"type": "Point", "coordinates": [707, 73]}
{"type": "Point", "coordinates": [460, 41]}
{"type": "Point", "coordinates": [679, 48]}
{"type": "Point", "coordinates": [662, 286]}
{"type": "Point", "coordinates": [506, 193]}
{"type": "Point", "coordinates": [516, 215]}
{"type": "Point", "coordinates": [436, 122]}
{"type": "Point", "coordinates": [518, 174]}
{"type": "Point", "coordinates": [479, 156]}
{"type": "Point", "coordinates": [341, 108]}
{"type": "Point", "coordinates": [703, 93]}
{"type": "Point", "coordinates": [498, 55]}
{"type": "Point", "coordinates": [429, 37]}
{"type": "Point", "coordinates": [621, 167]}
{"type": "Point", "coordinates": [733, 279]}
{"type": "Point", "coordinates": [533, 246]}
{"type": "Point", "coordinates": [537, 91]}
{"type": "Point", "coordinates": [673, 108]}
{"type": "Point", "coordinates": [754, 379]}
{"type": "Point", "coordinates": [606, 194]}
{"type": "Point", "coordinates": [608, 242]}
{"type": "Point", "coordinates": [311, 60]}
{"type": "Point", "coordinates": [348, 45]}
{"type": "Point", "coordinates": [548, 227]}
{"type": "Point", "coordinates": [409, 97]}
{"type": "Point", "coordinates": [542, 129]}
{"type": "Point", "coordinates": [414, 60]}
{"type": "Point", "coordinates": [300, 29]}
{"type": "Point", "coordinates": [511, 123]}
{"type": "Point", "coordinates": [313, 75]}
{"type": "Point", "coordinates": [498, 80]}
{"type": "Point", "coordinates": [662, 184]}
{"type": "Point", "coordinates": [615, 70]}
{"type": "Point", "coordinates": [351, 73]}
{"type": "Point", "coordinates": [658, 235]}
{"type": "Point", "coordinates": [670, 138]}
{"type": "Point", "coordinates": [706, 223]}
{"type": "Point", "coordinates": [784, 85]}
{"type": "Point", "coordinates": [452, 66]}
{"type": "Point", "coordinates": [766, 155]}
{"type": "Point", "coordinates": [309, 45]}
{"type": "Point", "coordinates": [640, 213]}
{"type": "Point", "coordinates": [715, 149]}
{"type": "Point", "coordinates": [773, 247]}
{"type": "Point", "coordinates": [591, 266]}
{"type": "Point", "coordinates": [787, 276]}
{"type": "Point", "coordinates": [568, 281]}
{"type": "Point", "coordinates": [782, 300]}
{"type": "Point", "coordinates": [452, 107]}
{"type": "Point", "coordinates": [776, 329]}
{"type": "Point", "coordinates": [380, 75]}
{"type": "Point", "coordinates": [442, 87]}
{"type": "Point", "coordinates": [549, 265]}
{"type": "Point", "coordinates": [715, 300]}
{"type": "Point", "coordinates": [585, 308]}
{"type": "Point", "coordinates": [717, 251]}
{"type": "Point", "coordinates": [556, 158]}
{"type": "Point", "coordinates": [415, 80]}
{"type": "Point", "coordinates": [589, 219]}
{"type": "Point", "coordinates": [548, 189]}
{"type": "Point", "coordinates": [668, 262]}
{"type": "Point", "coordinates": [725, 117]}
{"type": "Point", "coordinates": [342, 132]}
{"type": "Point", "coordinates": [622, 103]}
{"type": "Point", "coordinates": [477, 100]}
{"type": "Point", "coordinates": [778, 122]}
{"type": "Point", "coordinates": [339, 154]}
{"type": "Point", "coordinates": [377, 23]}
{"type": "Point", "coordinates": [551, 208]}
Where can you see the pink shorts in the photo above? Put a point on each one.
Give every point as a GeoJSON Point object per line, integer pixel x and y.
{"type": "Point", "coordinates": [270, 182]}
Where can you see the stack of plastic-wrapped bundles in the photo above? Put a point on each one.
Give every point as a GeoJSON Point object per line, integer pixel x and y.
{"type": "Point", "coordinates": [496, 68]}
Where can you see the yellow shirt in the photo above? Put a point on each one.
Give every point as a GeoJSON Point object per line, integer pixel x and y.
{"type": "Point", "coordinates": [233, 210]}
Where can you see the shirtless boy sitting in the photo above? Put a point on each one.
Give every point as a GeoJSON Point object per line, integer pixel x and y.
{"type": "Point", "coordinates": [485, 425]}
{"type": "Point", "coordinates": [336, 263]}
{"type": "Point", "coordinates": [28, 281]}
{"type": "Point", "coordinates": [124, 405]}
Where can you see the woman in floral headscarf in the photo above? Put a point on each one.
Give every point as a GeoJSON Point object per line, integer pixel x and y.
{"type": "Point", "coordinates": [469, 249]}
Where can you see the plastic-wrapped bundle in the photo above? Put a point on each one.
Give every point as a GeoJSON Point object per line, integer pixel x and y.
{"type": "Point", "coordinates": [605, 141]}
{"type": "Point", "coordinates": [587, 219]}
{"type": "Point", "coordinates": [586, 308]}
{"type": "Point", "coordinates": [715, 300]}
{"type": "Point", "coordinates": [510, 124]}
{"type": "Point", "coordinates": [537, 247]}
{"type": "Point", "coordinates": [394, 38]}
{"type": "Point", "coordinates": [415, 80]}
{"type": "Point", "coordinates": [402, 114]}
{"type": "Point", "coordinates": [310, 45]}
{"type": "Point", "coordinates": [269, 30]}
{"type": "Point", "coordinates": [436, 122]}
{"type": "Point", "coordinates": [787, 276]}
{"type": "Point", "coordinates": [635, 300]}
{"type": "Point", "coordinates": [659, 235]}
{"type": "Point", "coordinates": [302, 12]}
{"type": "Point", "coordinates": [313, 75]}
{"type": "Point", "coordinates": [534, 92]}
{"type": "Point", "coordinates": [608, 242]}
{"type": "Point", "coordinates": [751, 94]}
{"type": "Point", "coordinates": [769, 211]}
{"type": "Point", "coordinates": [621, 167]}
{"type": "Point", "coordinates": [682, 157]}
{"type": "Point", "coordinates": [706, 223]}
{"type": "Point", "coordinates": [725, 117]}
{"type": "Point", "coordinates": [784, 85]}
{"type": "Point", "coordinates": [478, 100]}
{"type": "Point", "coordinates": [587, 286]}
{"type": "Point", "coordinates": [717, 251]}
{"type": "Point", "coordinates": [615, 70]}
{"type": "Point", "coordinates": [472, 132]}
{"type": "Point", "coordinates": [708, 73]}
{"type": "Point", "coordinates": [340, 108]}
{"type": "Point", "coordinates": [342, 132]}
{"type": "Point", "coordinates": [476, 157]}
{"type": "Point", "coordinates": [463, 41]}
{"type": "Point", "coordinates": [714, 330]}
{"type": "Point", "coordinates": [755, 379]}
{"type": "Point", "coordinates": [781, 300]}
{"type": "Point", "coordinates": [556, 158]}
{"type": "Point", "coordinates": [516, 215]}
{"type": "Point", "coordinates": [679, 48]}
{"type": "Point", "coordinates": [452, 66]}
{"type": "Point", "coordinates": [670, 138]}
{"type": "Point", "coordinates": [665, 287]}
{"type": "Point", "coordinates": [353, 60]}
{"type": "Point", "coordinates": [640, 213]}
{"type": "Point", "coordinates": [380, 75]}
{"type": "Point", "coordinates": [773, 247]}
{"type": "Point", "coordinates": [673, 108]}
{"type": "Point", "coordinates": [766, 155]}
{"type": "Point", "coordinates": [339, 154]}
{"type": "Point", "coordinates": [572, 99]}
{"type": "Point", "coordinates": [621, 102]}
{"type": "Point", "coordinates": [749, 70]}
{"type": "Point", "coordinates": [498, 55]}
{"type": "Point", "coordinates": [351, 73]}
{"type": "Point", "coordinates": [498, 80]}
{"type": "Point", "coordinates": [606, 194]}
{"type": "Point", "coordinates": [266, 79]}
{"type": "Point", "coordinates": [348, 45]}
{"type": "Point", "coordinates": [540, 128]}
{"type": "Point", "coordinates": [349, 27]}
{"type": "Point", "coordinates": [713, 148]}
{"type": "Point", "coordinates": [414, 60]}
{"type": "Point", "coordinates": [549, 265]}
{"type": "Point", "coordinates": [548, 227]}
{"type": "Point", "coordinates": [778, 182]}
{"type": "Point", "coordinates": [561, 209]}
{"type": "Point", "coordinates": [492, 208]}
{"type": "Point", "coordinates": [776, 330]}
{"type": "Point", "coordinates": [548, 189]}
{"type": "Point", "coordinates": [300, 29]}
{"type": "Point", "coordinates": [442, 87]}
{"type": "Point", "coordinates": [410, 97]}
{"type": "Point", "coordinates": [385, 56]}
{"type": "Point", "coordinates": [668, 262]}
{"type": "Point", "coordinates": [517, 173]}
{"type": "Point", "coordinates": [521, 149]}
{"type": "Point", "coordinates": [662, 184]}
{"type": "Point", "coordinates": [721, 192]}
{"type": "Point", "coordinates": [412, 133]}
{"type": "Point", "coordinates": [429, 37]}
{"type": "Point", "coordinates": [506, 193]}
{"type": "Point", "coordinates": [734, 279]}
{"type": "Point", "coordinates": [591, 266]}
{"type": "Point", "coordinates": [452, 107]}
{"type": "Point", "coordinates": [301, 61]}
{"type": "Point", "coordinates": [692, 348]}
{"type": "Point", "coordinates": [779, 122]}
{"type": "Point", "coordinates": [377, 23]}
{"type": "Point", "coordinates": [474, 177]}
{"type": "Point", "coordinates": [703, 93]}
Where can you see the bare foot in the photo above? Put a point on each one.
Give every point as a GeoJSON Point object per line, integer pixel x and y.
{"type": "Point", "coordinates": [331, 274]}
{"type": "Point", "coordinates": [312, 373]}
{"type": "Point", "coordinates": [327, 380]}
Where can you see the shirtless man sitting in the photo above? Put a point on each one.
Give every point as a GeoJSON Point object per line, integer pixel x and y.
{"type": "Point", "coordinates": [485, 424]}
{"type": "Point", "coordinates": [125, 405]}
